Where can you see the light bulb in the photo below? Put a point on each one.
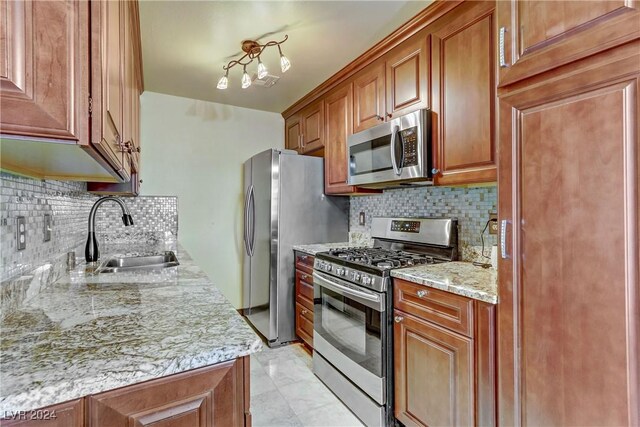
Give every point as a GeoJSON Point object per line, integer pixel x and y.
{"type": "Point", "coordinates": [262, 70]}
{"type": "Point", "coordinates": [223, 82]}
{"type": "Point", "coordinates": [284, 63]}
{"type": "Point", "coordinates": [246, 80]}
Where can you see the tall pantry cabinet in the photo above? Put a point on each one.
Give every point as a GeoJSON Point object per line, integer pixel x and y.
{"type": "Point", "coordinates": [569, 311]}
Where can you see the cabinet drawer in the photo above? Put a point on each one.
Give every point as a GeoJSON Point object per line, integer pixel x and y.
{"type": "Point", "coordinates": [304, 289]}
{"type": "Point", "coordinates": [451, 311]}
{"type": "Point", "coordinates": [304, 262]}
{"type": "Point", "coordinates": [304, 324]}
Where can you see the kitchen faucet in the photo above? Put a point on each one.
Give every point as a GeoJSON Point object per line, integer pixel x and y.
{"type": "Point", "coordinates": [91, 252]}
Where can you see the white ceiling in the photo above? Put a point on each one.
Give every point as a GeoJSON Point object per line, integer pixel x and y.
{"type": "Point", "coordinates": [186, 43]}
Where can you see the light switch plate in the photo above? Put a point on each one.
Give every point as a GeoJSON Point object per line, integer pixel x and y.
{"type": "Point", "coordinates": [493, 225]}
{"type": "Point", "coordinates": [46, 231]}
{"type": "Point", "coordinates": [21, 233]}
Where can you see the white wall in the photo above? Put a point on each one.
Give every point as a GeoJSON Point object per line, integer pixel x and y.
{"type": "Point", "coordinates": [195, 150]}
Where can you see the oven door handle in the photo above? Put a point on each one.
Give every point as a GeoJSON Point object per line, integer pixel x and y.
{"type": "Point", "coordinates": [375, 301]}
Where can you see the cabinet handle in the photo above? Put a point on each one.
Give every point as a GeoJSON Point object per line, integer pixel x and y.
{"type": "Point", "coordinates": [503, 239]}
{"type": "Point", "coordinates": [304, 311]}
{"type": "Point", "coordinates": [435, 171]}
{"type": "Point", "coordinates": [303, 257]}
{"type": "Point", "coordinates": [501, 36]}
{"type": "Point", "coordinates": [422, 293]}
{"type": "Point", "coordinates": [398, 319]}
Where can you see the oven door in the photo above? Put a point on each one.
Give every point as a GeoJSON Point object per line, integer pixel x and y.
{"type": "Point", "coordinates": [349, 323]}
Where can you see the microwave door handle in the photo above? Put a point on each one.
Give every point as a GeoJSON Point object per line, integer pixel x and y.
{"type": "Point", "coordinates": [392, 147]}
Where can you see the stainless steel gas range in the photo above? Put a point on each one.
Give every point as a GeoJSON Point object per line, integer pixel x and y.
{"type": "Point", "coordinates": [353, 309]}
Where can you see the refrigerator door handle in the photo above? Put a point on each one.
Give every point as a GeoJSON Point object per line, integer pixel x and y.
{"type": "Point", "coordinates": [245, 232]}
{"type": "Point", "coordinates": [252, 234]}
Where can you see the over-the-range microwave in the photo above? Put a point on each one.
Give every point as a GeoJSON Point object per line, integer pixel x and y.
{"type": "Point", "coordinates": [392, 154]}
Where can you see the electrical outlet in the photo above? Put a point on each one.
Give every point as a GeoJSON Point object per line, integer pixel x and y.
{"type": "Point", "coordinates": [47, 228]}
{"type": "Point", "coordinates": [361, 219]}
{"type": "Point", "coordinates": [21, 234]}
{"type": "Point", "coordinates": [493, 225]}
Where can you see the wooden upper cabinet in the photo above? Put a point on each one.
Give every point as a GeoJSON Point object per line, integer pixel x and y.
{"type": "Point", "coordinates": [67, 414]}
{"type": "Point", "coordinates": [434, 374]}
{"type": "Point", "coordinates": [292, 133]}
{"type": "Point", "coordinates": [369, 97]}
{"type": "Point", "coordinates": [569, 151]}
{"type": "Point", "coordinates": [407, 74]}
{"type": "Point", "coordinates": [43, 69]}
{"type": "Point", "coordinates": [338, 117]}
{"type": "Point", "coordinates": [312, 127]}
{"type": "Point", "coordinates": [464, 96]}
{"type": "Point", "coordinates": [108, 34]}
{"type": "Point", "coordinates": [541, 35]}
{"type": "Point", "coordinates": [206, 397]}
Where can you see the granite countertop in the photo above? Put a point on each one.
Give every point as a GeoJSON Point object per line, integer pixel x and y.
{"type": "Point", "coordinates": [462, 278]}
{"type": "Point", "coordinates": [80, 334]}
{"type": "Point", "coordinates": [315, 248]}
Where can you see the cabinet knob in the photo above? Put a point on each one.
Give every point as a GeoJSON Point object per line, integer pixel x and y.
{"type": "Point", "coordinates": [380, 118]}
{"type": "Point", "coordinates": [138, 149]}
{"type": "Point", "coordinates": [398, 319]}
{"type": "Point", "coordinates": [389, 115]}
{"type": "Point", "coordinates": [422, 293]}
{"type": "Point", "coordinates": [435, 171]}
{"type": "Point", "coordinates": [304, 311]}
{"type": "Point", "coordinates": [140, 181]}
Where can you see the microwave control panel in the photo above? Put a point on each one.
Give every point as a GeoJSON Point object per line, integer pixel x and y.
{"type": "Point", "coordinates": [410, 139]}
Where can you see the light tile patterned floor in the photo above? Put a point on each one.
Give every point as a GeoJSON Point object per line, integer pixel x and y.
{"type": "Point", "coordinates": [284, 392]}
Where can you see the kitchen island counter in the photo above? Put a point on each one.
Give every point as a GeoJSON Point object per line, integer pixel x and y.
{"type": "Point", "coordinates": [66, 335]}
{"type": "Point", "coordinates": [461, 278]}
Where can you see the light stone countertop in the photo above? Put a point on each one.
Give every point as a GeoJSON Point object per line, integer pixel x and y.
{"type": "Point", "coordinates": [315, 248]}
{"type": "Point", "coordinates": [461, 278]}
{"type": "Point", "coordinates": [74, 334]}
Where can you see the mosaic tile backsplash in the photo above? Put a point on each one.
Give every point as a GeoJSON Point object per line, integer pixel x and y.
{"type": "Point", "coordinates": [69, 204]}
{"type": "Point", "coordinates": [471, 206]}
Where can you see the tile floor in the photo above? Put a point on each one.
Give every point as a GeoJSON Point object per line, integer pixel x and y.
{"type": "Point", "coordinates": [284, 392]}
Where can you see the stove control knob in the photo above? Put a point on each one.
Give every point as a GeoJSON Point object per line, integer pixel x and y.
{"type": "Point", "coordinates": [366, 280]}
{"type": "Point", "coordinates": [340, 271]}
{"type": "Point", "coordinates": [355, 276]}
{"type": "Point", "coordinates": [328, 267]}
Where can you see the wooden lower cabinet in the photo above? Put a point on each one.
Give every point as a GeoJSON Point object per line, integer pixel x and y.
{"type": "Point", "coordinates": [304, 298]}
{"type": "Point", "coordinates": [216, 395]}
{"type": "Point", "coordinates": [67, 414]}
{"type": "Point", "coordinates": [444, 375]}
{"type": "Point", "coordinates": [212, 396]}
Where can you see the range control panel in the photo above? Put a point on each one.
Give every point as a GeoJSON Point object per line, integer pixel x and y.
{"type": "Point", "coordinates": [410, 140]}
{"type": "Point", "coordinates": [405, 226]}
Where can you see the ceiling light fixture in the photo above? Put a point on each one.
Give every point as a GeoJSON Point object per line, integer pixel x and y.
{"type": "Point", "coordinates": [253, 50]}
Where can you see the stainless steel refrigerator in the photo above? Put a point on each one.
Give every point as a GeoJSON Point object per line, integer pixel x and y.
{"type": "Point", "coordinates": [284, 205]}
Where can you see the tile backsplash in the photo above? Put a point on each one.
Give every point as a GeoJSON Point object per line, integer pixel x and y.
{"type": "Point", "coordinates": [69, 204]}
{"type": "Point", "coordinates": [471, 206]}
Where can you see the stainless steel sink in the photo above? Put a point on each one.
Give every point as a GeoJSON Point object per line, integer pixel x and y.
{"type": "Point", "coordinates": [150, 262]}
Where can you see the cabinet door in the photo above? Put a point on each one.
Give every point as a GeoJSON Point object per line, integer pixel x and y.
{"type": "Point", "coordinates": [212, 396]}
{"type": "Point", "coordinates": [569, 315]}
{"type": "Point", "coordinates": [433, 374]}
{"type": "Point", "coordinates": [68, 414]}
{"type": "Point", "coordinates": [541, 35]}
{"type": "Point", "coordinates": [368, 97]}
{"type": "Point", "coordinates": [407, 77]}
{"type": "Point", "coordinates": [107, 64]}
{"type": "Point", "coordinates": [292, 133]}
{"type": "Point", "coordinates": [338, 117]}
{"type": "Point", "coordinates": [464, 97]}
{"type": "Point", "coordinates": [304, 324]}
{"type": "Point", "coordinates": [43, 73]}
{"type": "Point", "coordinates": [312, 127]}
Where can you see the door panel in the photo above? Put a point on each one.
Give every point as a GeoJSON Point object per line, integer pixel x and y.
{"type": "Point", "coordinates": [43, 81]}
{"type": "Point", "coordinates": [433, 373]}
{"type": "Point", "coordinates": [407, 77]}
{"type": "Point", "coordinates": [292, 132]}
{"type": "Point", "coordinates": [262, 313]}
{"type": "Point", "coordinates": [312, 119]}
{"type": "Point", "coordinates": [541, 35]}
{"type": "Point", "coordinates": [464, 98]}
{"type": "Point", "coordinates": [368, 97]}
{"type": "Point", "coordinates": [569, 287]}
